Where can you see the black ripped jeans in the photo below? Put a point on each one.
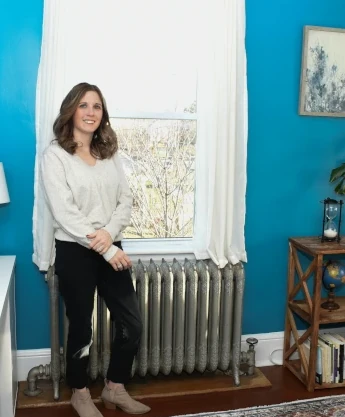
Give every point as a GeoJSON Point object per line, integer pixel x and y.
{"type": "Point", "coordinates": [81, 271]}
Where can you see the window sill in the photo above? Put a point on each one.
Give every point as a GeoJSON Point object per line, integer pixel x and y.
{"type": "Point", "coordinates": [156, 249]}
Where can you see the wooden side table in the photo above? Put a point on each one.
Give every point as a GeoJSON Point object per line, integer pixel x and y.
{"type": "Point", "coordinates": [308, 308]}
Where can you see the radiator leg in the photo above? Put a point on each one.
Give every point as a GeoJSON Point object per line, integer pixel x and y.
{"type": "Point", "coordinates": [64, 344]}
{"type": "Point", "coordinates": [93, 350]}
{"type": "Point", "coordinates": [54, 335]}
{"type": "Point", "coordinates": [237, 331]}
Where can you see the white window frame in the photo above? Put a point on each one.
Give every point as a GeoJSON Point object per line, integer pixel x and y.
{"type": "Point", "coordinates": [167, 248]}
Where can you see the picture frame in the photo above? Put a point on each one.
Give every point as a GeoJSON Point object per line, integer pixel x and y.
{"type": "Point", "coordinates": [322, 83]}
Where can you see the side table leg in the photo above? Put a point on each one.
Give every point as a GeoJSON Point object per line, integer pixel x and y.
{"type": "Point", "coordinates": [288, 329]}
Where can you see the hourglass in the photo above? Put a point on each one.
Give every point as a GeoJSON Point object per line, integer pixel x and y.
{"type": "Point", "coordinates": [331, 226]}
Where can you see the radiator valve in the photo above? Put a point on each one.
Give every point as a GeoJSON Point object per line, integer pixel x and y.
{"type": "Point", "coordinates": [248, 358]}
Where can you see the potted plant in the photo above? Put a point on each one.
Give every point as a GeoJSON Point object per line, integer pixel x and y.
{"type": "Point", "coordinates": [338, 175]}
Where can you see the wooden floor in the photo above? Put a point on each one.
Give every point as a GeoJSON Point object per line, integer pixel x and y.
{"type": "Point", "coordinates": [285, 387]}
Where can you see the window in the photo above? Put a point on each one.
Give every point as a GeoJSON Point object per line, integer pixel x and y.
{"type": "Point", "coordinates": [153, 111]}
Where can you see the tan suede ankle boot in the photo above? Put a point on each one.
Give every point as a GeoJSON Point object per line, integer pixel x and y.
{"type": "Point", "coordinates": [83, 404]}
{"type": "Point", "coordinates": [118, 396]}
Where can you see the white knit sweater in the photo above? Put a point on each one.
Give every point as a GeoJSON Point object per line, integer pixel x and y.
{"type": "Point", "coordinates": [84, 198]}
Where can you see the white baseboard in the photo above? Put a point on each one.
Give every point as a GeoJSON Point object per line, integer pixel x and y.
{"type": "Point", "coordinates": [269, 348]}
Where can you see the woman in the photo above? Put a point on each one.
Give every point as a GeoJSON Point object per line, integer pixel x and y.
{"type": "Point", "coordinates": [90, 200]}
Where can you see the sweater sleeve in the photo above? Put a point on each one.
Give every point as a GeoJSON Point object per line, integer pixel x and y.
{"type": "Point", "coordinates": [61, 202]}
{"type": "Point", "coordinates": [122, 214]}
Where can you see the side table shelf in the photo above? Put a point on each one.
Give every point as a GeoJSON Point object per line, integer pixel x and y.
{"type": "Point", "coordinates": [308, 308]}
{"type": "Point", "coordinates": [300, 307]}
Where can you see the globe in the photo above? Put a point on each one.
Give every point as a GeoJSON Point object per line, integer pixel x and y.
{"type": "Point", "coordinates": [333, 275]}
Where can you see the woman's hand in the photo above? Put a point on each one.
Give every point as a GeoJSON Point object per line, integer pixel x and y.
{"type": "Point", "coordinates": [101, 241]}
{"type": "Point", "coordinates": [120, 261]}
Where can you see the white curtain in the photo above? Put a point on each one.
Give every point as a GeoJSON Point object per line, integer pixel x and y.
{"type": "Point", "coordinates": [78, 45]}
{"type": "Point", "coordinates": [48, 95]}
{"type": "Point", "coordinates": [222, 134]}
{"type": "Point", "coordinates": [70, 53]}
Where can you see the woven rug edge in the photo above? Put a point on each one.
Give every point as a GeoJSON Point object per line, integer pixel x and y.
{"type": "Point", "coordinates": [263, 407]}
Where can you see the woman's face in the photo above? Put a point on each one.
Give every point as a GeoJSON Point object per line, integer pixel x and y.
{"type": "Point", "coordinates": [88, 115]}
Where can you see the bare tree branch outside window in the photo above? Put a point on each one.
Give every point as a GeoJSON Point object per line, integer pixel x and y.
{"type": "Point", "coordinates": [159, 160]}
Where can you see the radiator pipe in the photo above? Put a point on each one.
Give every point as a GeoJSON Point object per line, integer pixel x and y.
{"type": "Point", "coordinates": [52, 370]}
{"type": "Point", "coordinates": [40, 371]}
{"type": "Point", "coordinates": [53, 285]}
{"type": "Point", "coordinates": [239, 281]}
{"type": "Point", "coordinates": [248, 357]}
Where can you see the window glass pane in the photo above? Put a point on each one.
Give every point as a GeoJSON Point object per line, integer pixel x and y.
{"type": "Point", "coordinates": [153, 56]}
{"type": "Point", "coordinates": [159, 161]}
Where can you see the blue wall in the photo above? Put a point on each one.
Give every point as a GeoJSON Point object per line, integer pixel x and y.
{"type": "Point", "coordinates": [20, 39]}
{"type": "Point", "coordinates": [289, 156]}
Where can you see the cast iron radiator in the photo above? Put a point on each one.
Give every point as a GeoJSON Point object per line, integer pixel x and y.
{"type": "Point", "coordinates": [192, 321]}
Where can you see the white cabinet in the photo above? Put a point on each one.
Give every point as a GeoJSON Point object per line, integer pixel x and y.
{"type": "Point", "coordinates": [8, 345]}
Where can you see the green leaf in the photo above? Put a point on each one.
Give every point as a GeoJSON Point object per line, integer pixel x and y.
{"type": "Point", "coordinates": [340, 188]}
{"type": "Point", "coordinates": [337, 173]}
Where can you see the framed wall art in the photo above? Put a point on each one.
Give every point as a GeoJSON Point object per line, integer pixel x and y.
{"type": "Point", "coordinates": [322, 89]}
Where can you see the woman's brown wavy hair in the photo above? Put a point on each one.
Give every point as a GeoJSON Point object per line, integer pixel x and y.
{"type": "Point", "coordinates": [104, 142]}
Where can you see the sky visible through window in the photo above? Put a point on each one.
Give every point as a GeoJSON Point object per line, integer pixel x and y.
{"type": "Point", "coordinates": [154, 56]}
